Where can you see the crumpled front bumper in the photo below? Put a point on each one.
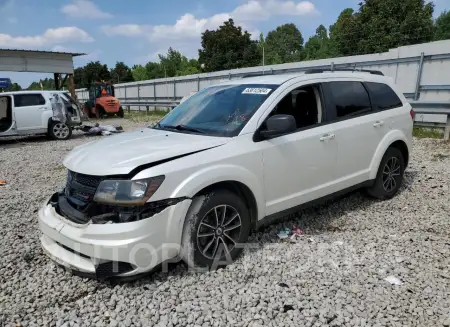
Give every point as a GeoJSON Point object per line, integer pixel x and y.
{"type": "Point", "coordinates": [126, 248]}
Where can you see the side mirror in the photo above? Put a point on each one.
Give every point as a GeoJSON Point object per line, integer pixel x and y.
{"type": "Point", "coordinates": [278, 125]}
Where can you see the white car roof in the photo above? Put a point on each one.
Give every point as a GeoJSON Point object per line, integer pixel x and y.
{"type": "Point", "coordinates": [33, 92]}
{"type": "Point", "coordinates": [279, 79]}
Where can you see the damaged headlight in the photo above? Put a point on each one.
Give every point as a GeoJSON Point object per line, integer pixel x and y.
{"type": "Point", "coordinates": [127, 192]}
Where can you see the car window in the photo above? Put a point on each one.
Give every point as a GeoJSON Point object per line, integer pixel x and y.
{"type": "Point", "coordinates": [382, 96]}
{"type": "Point", "coordinates": [302, 104]}
{"type": "Point", "coordinates": [26, 100]}
{"type": "Point", "coordinates": [218, 110]}
{"type": "Point", "coordinates": [350, 98]}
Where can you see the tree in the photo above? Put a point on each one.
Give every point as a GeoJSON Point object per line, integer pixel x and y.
{"type": "Point", "coordinates": [121, 73]}
{"type": "Point", "coordinates": [285, 43]}
{"type": "Point", "coordinates": [386, 24]}
{"type": "Point", "coordinates": [318, 45]}
{"type": "Point", "coordinates": [79, 78]}
{"type": "Point", "coordinates": [95, 71]}
{"type": "Point", "coordinates": [442, 25]}
{"type": "Point", "coordinates": [228, 47]}
{"type": "Point", "coordinates": [47, 84]}
{"type": "Point", "coordinates": [139, 73]}
{"type": "Point", "coordinates": [380, 25]}
{"type": "Point", "coordinates": [344, 34]}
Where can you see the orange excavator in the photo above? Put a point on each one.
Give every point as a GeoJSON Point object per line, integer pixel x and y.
{"type": "Point", "coordinates": [102, 101]}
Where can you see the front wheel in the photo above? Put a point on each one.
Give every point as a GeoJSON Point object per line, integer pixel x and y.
{"type": "Point", "coordinates": [389, 176]}
{"type": "Point", "coordinates": [59, 131]}
{"type": "Point", "coordinates": [216, 228]}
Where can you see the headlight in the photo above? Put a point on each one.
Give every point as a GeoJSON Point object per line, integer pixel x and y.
{"type": "Point", "coordinates": [127, 192]}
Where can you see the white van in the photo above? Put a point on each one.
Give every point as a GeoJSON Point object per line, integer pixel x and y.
{"type": "Point", "coordinates": [31, 113]}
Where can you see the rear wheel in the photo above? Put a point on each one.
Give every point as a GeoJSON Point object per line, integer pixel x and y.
{"type": "Point", "coordinates": [59, 131]}
{"type": "Point", "coordinates": [389, 176]}
{"type": "Point", "coordinates": [216, 227]}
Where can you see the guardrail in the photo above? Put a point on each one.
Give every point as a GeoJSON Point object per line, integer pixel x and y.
{"type": "Point", "coordinates": [433, 108]}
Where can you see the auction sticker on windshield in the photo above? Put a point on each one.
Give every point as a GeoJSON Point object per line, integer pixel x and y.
{"type": "Point", "coordinates": [251, 90]}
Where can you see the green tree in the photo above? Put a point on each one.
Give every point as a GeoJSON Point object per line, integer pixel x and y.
{"type": "Point", "coordinates": [139, 73]}
{"type": "Point", "coordinates": [285, 43]}
{"type": "Point", "coordinates": [344, 34]}
{"type": "Point", "coordinates": [95, 71]}
{"type": "Point", "coordinates": [386, 24]}
{"type": "Point", "coordinates": [228, 47]}
{"type": "Point", "coordinates": [442, 25]}
{"type": "Point", "coordinates": [121, 73]}
{"type": "Point", "coordinates": [318, 45]}
{"type": "Point", "coordinates": [154, 70]}
{"type": "Point", "coordinates": [79, 78]}
{"type": "Point", "coordinates": [47, 84]}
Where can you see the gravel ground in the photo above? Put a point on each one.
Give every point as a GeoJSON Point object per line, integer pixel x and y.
{"type": "Point", "coordinates": [334, 275]}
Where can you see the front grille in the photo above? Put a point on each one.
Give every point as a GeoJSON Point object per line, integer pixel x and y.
{"type": "Point", "coordinates": [80, 188]}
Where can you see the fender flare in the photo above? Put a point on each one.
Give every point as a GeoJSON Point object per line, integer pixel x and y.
{"type": "Point", "coordinates": [387, 141]}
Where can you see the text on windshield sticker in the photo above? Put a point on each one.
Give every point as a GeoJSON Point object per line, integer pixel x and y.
{"type": "Point", "coordinates": [251, 90]}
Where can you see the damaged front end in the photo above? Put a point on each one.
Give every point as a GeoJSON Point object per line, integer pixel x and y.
{"type": "Point", "coordinates": [101, 200]}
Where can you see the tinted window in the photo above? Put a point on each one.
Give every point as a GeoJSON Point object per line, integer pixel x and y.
{"type": "Point", "coordinates": [350, 98]}
{"type": "Point", "coordinates": [26, 100]}
{"type": "Point", "coordinates": [383, 97]}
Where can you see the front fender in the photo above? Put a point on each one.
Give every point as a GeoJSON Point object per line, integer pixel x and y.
{"type": "Point", "coordinates": [203, 178]}
{"type": "Point", "coordinates": [388, 139]}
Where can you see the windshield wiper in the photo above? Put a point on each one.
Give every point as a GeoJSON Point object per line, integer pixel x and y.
{"type": "Point", "coordinates": [182, 128]}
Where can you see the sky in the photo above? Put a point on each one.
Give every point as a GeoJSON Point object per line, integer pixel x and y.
{"type": "Point", "coordinates": [135, 31]}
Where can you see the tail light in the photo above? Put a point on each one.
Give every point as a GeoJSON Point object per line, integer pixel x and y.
{"type": "Point", "coordinates": [412, 113]}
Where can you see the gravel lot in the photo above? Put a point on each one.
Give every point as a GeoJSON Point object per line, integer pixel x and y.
{"type": "Point", "coordinates": [334, 275]}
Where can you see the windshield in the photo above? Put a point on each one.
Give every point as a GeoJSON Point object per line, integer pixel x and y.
{"type": "Point", "coordinates": [218, 110]}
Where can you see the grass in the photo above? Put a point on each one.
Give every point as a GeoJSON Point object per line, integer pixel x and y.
{"type": "Point", "coordinates": [423, 132]}
{"type": "Point", "coordinates": [143, 116]}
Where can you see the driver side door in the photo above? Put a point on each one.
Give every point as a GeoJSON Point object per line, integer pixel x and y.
{"type": "Point", "coordinates": [300, 166]}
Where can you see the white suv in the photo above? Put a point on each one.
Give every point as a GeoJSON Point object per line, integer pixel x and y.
{"type": "Point", "coordinates": [31, 113]}
{"type": "Point", "coordinates": [223, 162]}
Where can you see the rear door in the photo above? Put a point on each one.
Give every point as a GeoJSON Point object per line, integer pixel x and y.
{"type": "Point", "coordinates": [28, 111]}
{"type": "Point", "coordinates": [358, 129]}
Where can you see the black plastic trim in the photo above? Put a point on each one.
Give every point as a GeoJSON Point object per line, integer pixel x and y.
{"type": "Point", "coordinates": [278, 215]}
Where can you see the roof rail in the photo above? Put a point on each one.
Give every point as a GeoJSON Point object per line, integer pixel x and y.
{"type": "Point", "coordinates": [320, 70]}
{"type": "Point", "coordinates": [255, 74]}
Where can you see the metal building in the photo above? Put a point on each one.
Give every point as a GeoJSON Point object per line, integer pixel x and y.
{"type": "Point", "coordinates": [58, 63]}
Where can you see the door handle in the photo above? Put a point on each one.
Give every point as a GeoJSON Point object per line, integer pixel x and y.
{"type": "Point", "coordinates": [327, 137]}
{"type": "Point", "coordinates": [378, 123]}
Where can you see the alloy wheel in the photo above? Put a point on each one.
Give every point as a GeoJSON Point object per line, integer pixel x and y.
{"type": "Point", "coordinates": [60, 130]}
{"type": "Point", "coordinates": [220, 227]}
{"type": "Point", "coordinates": [391, 174]}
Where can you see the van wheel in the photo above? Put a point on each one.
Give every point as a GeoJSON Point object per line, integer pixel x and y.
{"type": "Point", "coordinates": [389, 176]}
{"type": "Point", "coordinates": [120, 113]}
{"type": "Point", "coordinates": [215, 229]}
{"type": "Point", "coordinates": [59, 131]}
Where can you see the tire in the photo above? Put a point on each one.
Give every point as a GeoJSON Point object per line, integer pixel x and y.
{"type": "Point", "coordinates": [121, 113]}
{"type": "Point", "coordinates": [394, 163]}
{"type": "Point", "coordinates": [201, 236]}
{"type": "Point", "coordinates": [101, 112]}
{"type": "Point", "coordinates": [59, 131]}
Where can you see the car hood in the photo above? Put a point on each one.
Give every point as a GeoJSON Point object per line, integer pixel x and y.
{"type": "Point", "coordinates": [121, 153]}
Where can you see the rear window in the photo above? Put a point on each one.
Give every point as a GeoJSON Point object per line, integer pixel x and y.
{"type": "Point", "coordinates": [28, 100]}
{"type": "Point", "coordinates": [383, 97]}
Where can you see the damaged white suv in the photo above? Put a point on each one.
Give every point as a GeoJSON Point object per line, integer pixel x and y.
{"type": "Point", "coordinates": [226, 160]}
